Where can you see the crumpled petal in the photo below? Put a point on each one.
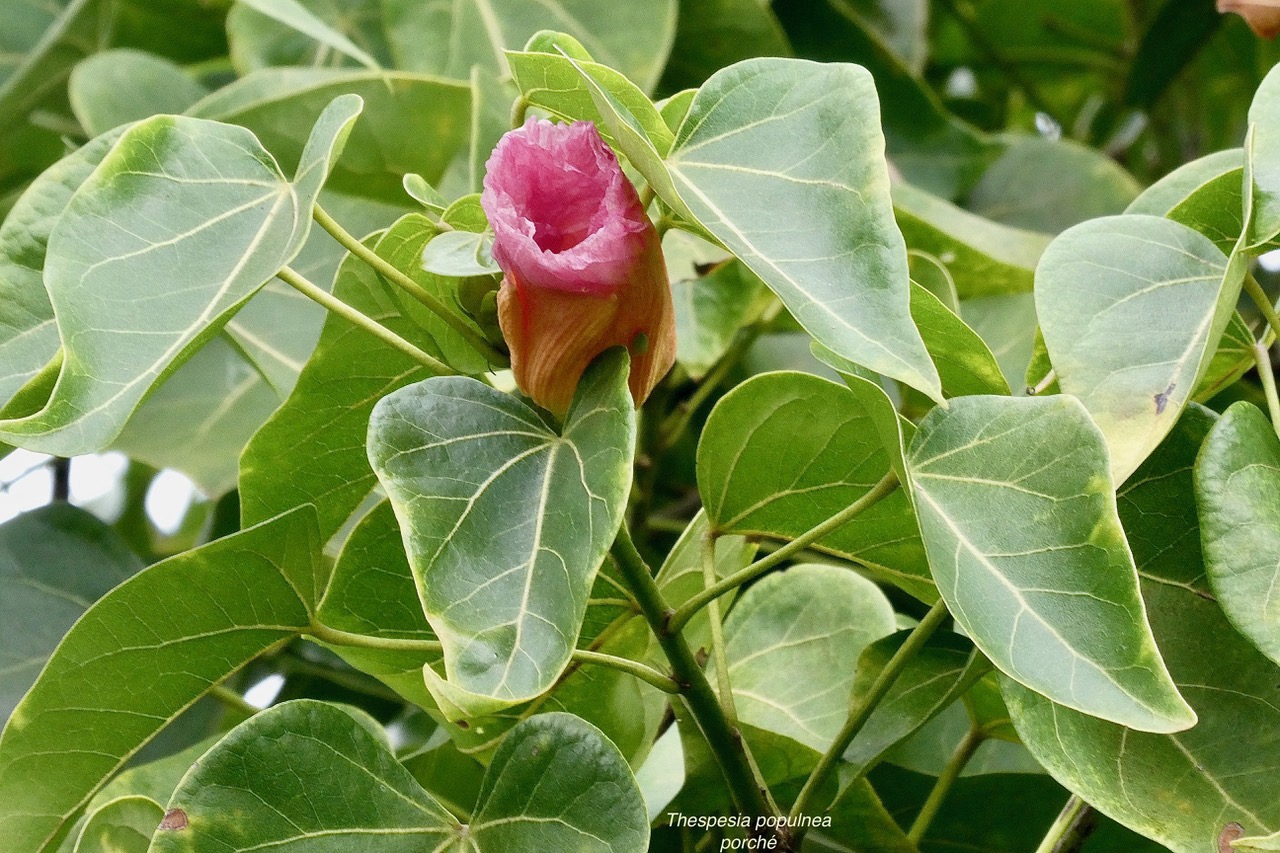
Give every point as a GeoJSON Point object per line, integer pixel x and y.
{"type": "Point", "coordinates": [582, 262]}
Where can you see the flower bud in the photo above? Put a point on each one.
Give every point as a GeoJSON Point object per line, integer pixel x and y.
{"type": "Point", "coordinates": [1262, 16]}
{"type": "Point", "coordinates": [582, 263]}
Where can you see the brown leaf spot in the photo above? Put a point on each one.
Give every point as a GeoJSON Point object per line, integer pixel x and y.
{"type": "Point", "coordinates": [174, 819]}
{"type": "Point", "coordinates": [1231, 832]}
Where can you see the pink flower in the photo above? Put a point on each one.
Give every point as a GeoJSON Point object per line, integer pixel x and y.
{"type": "Point", "coordinates": [582, 263]}
{"type": "Point", "coordinates": [1262, 16]}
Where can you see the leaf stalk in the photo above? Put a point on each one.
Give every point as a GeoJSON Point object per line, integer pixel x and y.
{"type": "Point", "coordinates": [335, 305]}
{"type": "Point", "coordinates": [419, 293]}
{"type": "Point", "coordinates": [696, 602]}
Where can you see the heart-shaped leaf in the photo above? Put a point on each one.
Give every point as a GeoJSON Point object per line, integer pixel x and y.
{"type": "Point", "coordinates": [188, 623]}
{"type": "Point", "coordinates": [555, 783]}
{"type": "Point", "coordinates": [1238, 495]}
{"type": "Point", "coordinates": [1180, 789]}
{"type": "Point", "coordinates": [1019, 521]}
{"type": "Point", "coordinates": [506, 522]}
{"type": "Point", "coordinates": [1164, 289]}
{"type": "Point", "coordinates": [826, 243]}
{"type": "Point", "coordinates": [186, 200]}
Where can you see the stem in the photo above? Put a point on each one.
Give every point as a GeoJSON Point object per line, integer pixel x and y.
{"type": "Point", "coordinates": [336, 637]}
{"type": "Point", "coordinates": [717, 631]}
{"type": "Point", "coordinates": [61, 479]}
{"type": "Point", "coordinates": [233, 700]}
{"type": "Point", "coordinates": [611, 602]}
{"type": "Point", "coordinates": [1039, 387]}
{"type": "Point", "coordinates": [955, 766]}
{"type": "Point", "coordinates": [518, 110]}
{"type": "Point", "coordinates": [370, 325]}
{"type": "Point", "coordinates": [724, 741]}
{"type": "Point", "coordinates": [1262, 354]}
{"type": "Point", "coordinates": [858, 716]}
{"type": "Point", "coordinates": [1259, 297]}
{"type": "Point", "coordinates": [696, 602]}
{"type": "Point", "coordinates": [349, 242]}
{"type": "Point", "coordinates": [1071, 828]}
{"type": "Point", "coordinates": [641, 671]}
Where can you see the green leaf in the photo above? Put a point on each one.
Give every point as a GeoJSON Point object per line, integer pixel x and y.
{"type": "Point", "coordinates": [964, 362]}
{"type": "Point", "coordinates": [633, 38]}
{"type": "Point", "coordinates": [28, 333]}
{"type": "Point", "coordinates": [411, 123]}
{"type": "Point", "coordinates": [783, 452]}
{"type": "Point", "coordinates": [894, 430]}
{"type": "Point", "coordinates": [984, 258]}
{"type": "Point", "coordinates": [405, 246]}
{"type": "Point", "coordinates": [1179, 789]}
{"type": "Point", "coordinates": [809, 619]}
{"type": "Point", "coordinates": [1205, 194]}
{"type": "Point", "coordinates": [491, 99]}
{"type": "Point", "coordinates": [1238, 495]}
{"type": "Point", "coordinates": [319, 433]}
{"type": "Point", "coordinates": [456, 458]}
{"type": "Point", "coordinates": [1019, 521]}
{"type": "Point", "coordinates": [121, 826]}
{"type": "Point", "coordinates": [298, 17]}
{"type": "Point", "coordinates": [173, 189]}
{"type": "Point", "coordinates": [1072, 183]}
{"type": "Point", "coordinates": [1264, 122]}
{"type": "Point", "coordinates": [837, 262]}
{"type": "Point", "coordinates": [563, 87]}
{"type": "Point", "coordinates": [460, 254]}
{"type": "Point", "coordinates": [187, 622]}
{"type": "Point", "coordinates": [1165, 290]}
{"type": "Point", "coordinates": [117, 87]}
{"type": "Point", "coordinates": [332, 784]}
{"type": "Point", "coordinates": [556, 783]}
{"type": "Point", "coordinates": [45, 587]}
{"type": "Point", "coordinates": [1271, 842]}
{"type": "Point", "coordinates": [662, 776]}
{"type": "Point", "coordinates": [1008, 325]}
